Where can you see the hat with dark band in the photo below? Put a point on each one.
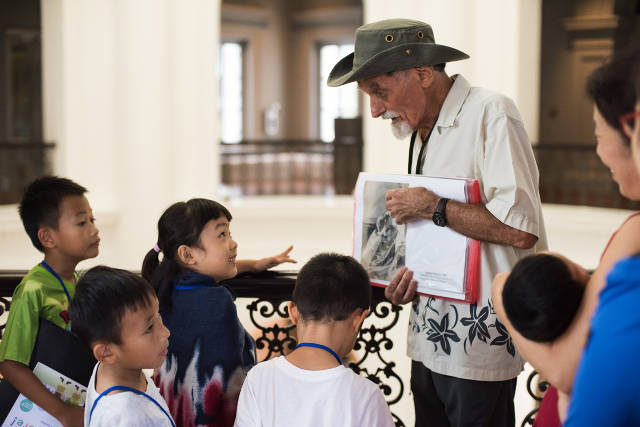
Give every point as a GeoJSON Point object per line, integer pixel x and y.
{"type": "Point", "coordinates": [391, 45]}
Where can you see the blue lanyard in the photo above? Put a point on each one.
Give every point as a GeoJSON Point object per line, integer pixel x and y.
{"type": "Point", "coordinates": [133, 390]}
{"type": "Point", "coordinates": [50, 270]}
{"type": "Point", "coordinates": [321, 347]}
{"type": "Point", "coordinates": [186, 287]}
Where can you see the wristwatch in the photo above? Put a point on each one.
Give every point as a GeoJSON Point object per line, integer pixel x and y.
{"type": "Point", "coordinates": [439, 216]}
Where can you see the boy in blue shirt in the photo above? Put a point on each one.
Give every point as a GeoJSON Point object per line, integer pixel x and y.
{"type": "Point", "coordinates": [59, 221]}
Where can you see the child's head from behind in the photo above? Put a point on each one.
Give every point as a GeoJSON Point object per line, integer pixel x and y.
{"type": "Point", "coordinates": [192, 236]}
{"type": "Point", "coordinates": [57, 216]}
{"type": "Point", "coordinates": [115, 313]}
{"type": "Point", "coordinates": [332, 288]}
{"type": "Point", "coordinates": [542, 295]}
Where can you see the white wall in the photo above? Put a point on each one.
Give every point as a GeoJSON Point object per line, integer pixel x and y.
{"type": "Point", "coordinates": [502, 37]}
{"type": "Point", "coordinates": [129, 92]}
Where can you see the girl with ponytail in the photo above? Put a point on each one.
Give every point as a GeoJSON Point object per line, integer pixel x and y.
{"type": "Point", "coordinates": [209, 350]}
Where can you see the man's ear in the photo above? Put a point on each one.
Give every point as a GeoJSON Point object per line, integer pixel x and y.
{"type": "Point", "coordinates": [185, 255]}
{"type": "Point", "coordinates": [294, 315]}
{"type": "Point", "coordinates": [46, 235]}
{"type": "Point", "coordinates": [104, 353]}
{"type": "Point", "coordinates": [425, 75]}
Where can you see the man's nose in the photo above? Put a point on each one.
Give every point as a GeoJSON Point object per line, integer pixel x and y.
{"type": "Point", "coordinates": [377, 109]}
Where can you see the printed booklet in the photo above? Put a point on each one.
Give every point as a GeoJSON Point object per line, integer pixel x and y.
{"type": "Point", "coordinates": [445, 263]}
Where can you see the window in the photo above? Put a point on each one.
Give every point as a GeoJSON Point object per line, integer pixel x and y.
{"type": "Point", "coordinates": [23, 154]}
{"type": "Point", "coordinates": [230, 78]}
{"type": "Point", "coordinates": [340, 102]}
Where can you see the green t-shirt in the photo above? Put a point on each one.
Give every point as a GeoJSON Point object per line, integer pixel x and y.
{"type": "Point", "coordinates": [39, 294]}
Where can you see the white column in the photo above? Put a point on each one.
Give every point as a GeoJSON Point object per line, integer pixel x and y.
{"type": "Point", "coordinates": [130, 98]}
{"type": "Point", "coordinates": [502, 37]}
{"type": "Point", "coordinates": [194, 33]}
{"type": "Point", "coordinates": [78, 92]}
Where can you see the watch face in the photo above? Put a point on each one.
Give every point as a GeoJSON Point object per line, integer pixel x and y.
{"type": "Point", "coordinates": [439, 219]}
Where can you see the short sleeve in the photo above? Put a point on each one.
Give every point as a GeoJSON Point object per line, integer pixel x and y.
{"type": "Point", "coordinates": [248, 412]}
{"type": "Point", "coordinates": [376, 412]}
{"type": "Point", "coordinates": [510, 174]}
{"type": "Point", "coordinates": [21, 329]}
{"type": "Point", "coordinates": [128, 410]}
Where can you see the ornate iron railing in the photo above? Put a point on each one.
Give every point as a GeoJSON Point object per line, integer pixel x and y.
{"type": "Point", "coordinates": [268, 293]}
{"type": "Point", "coordinates": [541, 386]}
{"type": "Point", "coordinates": [572, 174]}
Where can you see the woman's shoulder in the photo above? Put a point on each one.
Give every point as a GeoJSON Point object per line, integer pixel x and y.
{"type": "Point", "coordinates": [626, 240]}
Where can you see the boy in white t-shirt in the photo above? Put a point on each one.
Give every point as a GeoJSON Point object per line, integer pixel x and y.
{"type": "Point", "coordinates": [310, 386]}
{"type": "Point", "coordinates": [115, 312]}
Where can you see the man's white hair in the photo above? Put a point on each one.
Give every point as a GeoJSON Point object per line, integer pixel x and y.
{"type": "Point", "coordinates": [401, 129]}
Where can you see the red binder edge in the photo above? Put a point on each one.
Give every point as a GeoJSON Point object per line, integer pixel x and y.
{"type": "Point", "coordinates": [472, 264]}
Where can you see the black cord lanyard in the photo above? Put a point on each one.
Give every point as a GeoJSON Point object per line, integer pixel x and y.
{"type": "Point", "coordinates": [422, 149]}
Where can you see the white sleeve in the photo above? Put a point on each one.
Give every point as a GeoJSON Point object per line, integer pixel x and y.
{"type": "Point", "coordinates": [125, 418]}
{"type": "Point", "coordinates": [128, 411]}
{"type": "Point", "coordinates": [248, 412]}
{"type": "Point", "coordinates": [510, 174]}
{"type": "Point", "coordinates": [376, 411]}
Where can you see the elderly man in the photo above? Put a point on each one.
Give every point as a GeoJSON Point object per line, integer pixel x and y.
{"type": "Point", "coordinates": [464, 365]}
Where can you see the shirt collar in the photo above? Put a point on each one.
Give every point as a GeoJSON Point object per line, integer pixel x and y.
{"type": "Point", "coordinates": [453, 102]}
{"type": "Point", "coordinates": [192, 278]}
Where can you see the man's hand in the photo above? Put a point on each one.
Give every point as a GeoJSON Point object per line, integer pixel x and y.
{"type": "Point", "coordinates": [72, 416]}
{"type": "Point", "coordinates": [402, 288]}
{"type": "Point", "coordinates": [410, 204]}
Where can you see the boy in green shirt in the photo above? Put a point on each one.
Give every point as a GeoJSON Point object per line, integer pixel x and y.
{"type": "Point", "coordinates": [59, 221]}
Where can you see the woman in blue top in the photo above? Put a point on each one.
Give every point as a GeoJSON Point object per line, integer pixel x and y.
{"type": "Point", "coordinates": [209, 350]}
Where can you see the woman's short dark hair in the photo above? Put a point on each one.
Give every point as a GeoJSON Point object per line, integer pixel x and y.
{"type": "Point", "coordinates": [331, 287]}
{"type": "Point", "coordinates": [540, 297]}
{"type": "Point", "coordinates": [103, 295]}
{"type": "Point", "coordinates": [611, 87]}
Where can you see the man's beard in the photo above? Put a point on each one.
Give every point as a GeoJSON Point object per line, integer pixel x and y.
{"type": "Point", "coordinates": [400, 129]}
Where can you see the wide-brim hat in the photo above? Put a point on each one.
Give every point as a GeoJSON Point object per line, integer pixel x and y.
{"type": "Point", "coordinates": [391, 45]}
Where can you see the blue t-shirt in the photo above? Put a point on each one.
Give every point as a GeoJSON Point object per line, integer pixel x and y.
{"type": "Point", "coordinates": [606, 391]}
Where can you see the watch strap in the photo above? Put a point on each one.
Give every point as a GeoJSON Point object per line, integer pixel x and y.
{"type": "Point", "coordinates": [441, 209]}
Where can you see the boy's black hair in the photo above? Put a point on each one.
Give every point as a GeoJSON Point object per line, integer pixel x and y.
{"type": "Point", "coordinates": [103, 295]}
{"type": "Point", "coordinates": [540, 297]}
{"type": "Point", "coordinates": [41, 202]}
{"type": "Point", "coordinates": [181, 224]}
{"type": "Point", "coordinates": [331, 287]}
{"type": "Point", "coordinates": [612, 88]}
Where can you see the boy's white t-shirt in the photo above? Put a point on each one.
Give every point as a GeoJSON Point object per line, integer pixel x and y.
{"type": "Point", "coordinates": [125, 408]}
{"type": "Point", "coordinates": [277, 393]}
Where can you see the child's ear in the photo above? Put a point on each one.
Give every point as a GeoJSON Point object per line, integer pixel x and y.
{"type": "Point", "coordinates": [45, 235]}
{"type": "Point", "coordinates": [293, 312]}
{"type": "Point", "coordinates": [103, 353]}
{"type": "Point", "coordinates": [358, 317]}
{"type": "Point", "coordinates": [185, 255]}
